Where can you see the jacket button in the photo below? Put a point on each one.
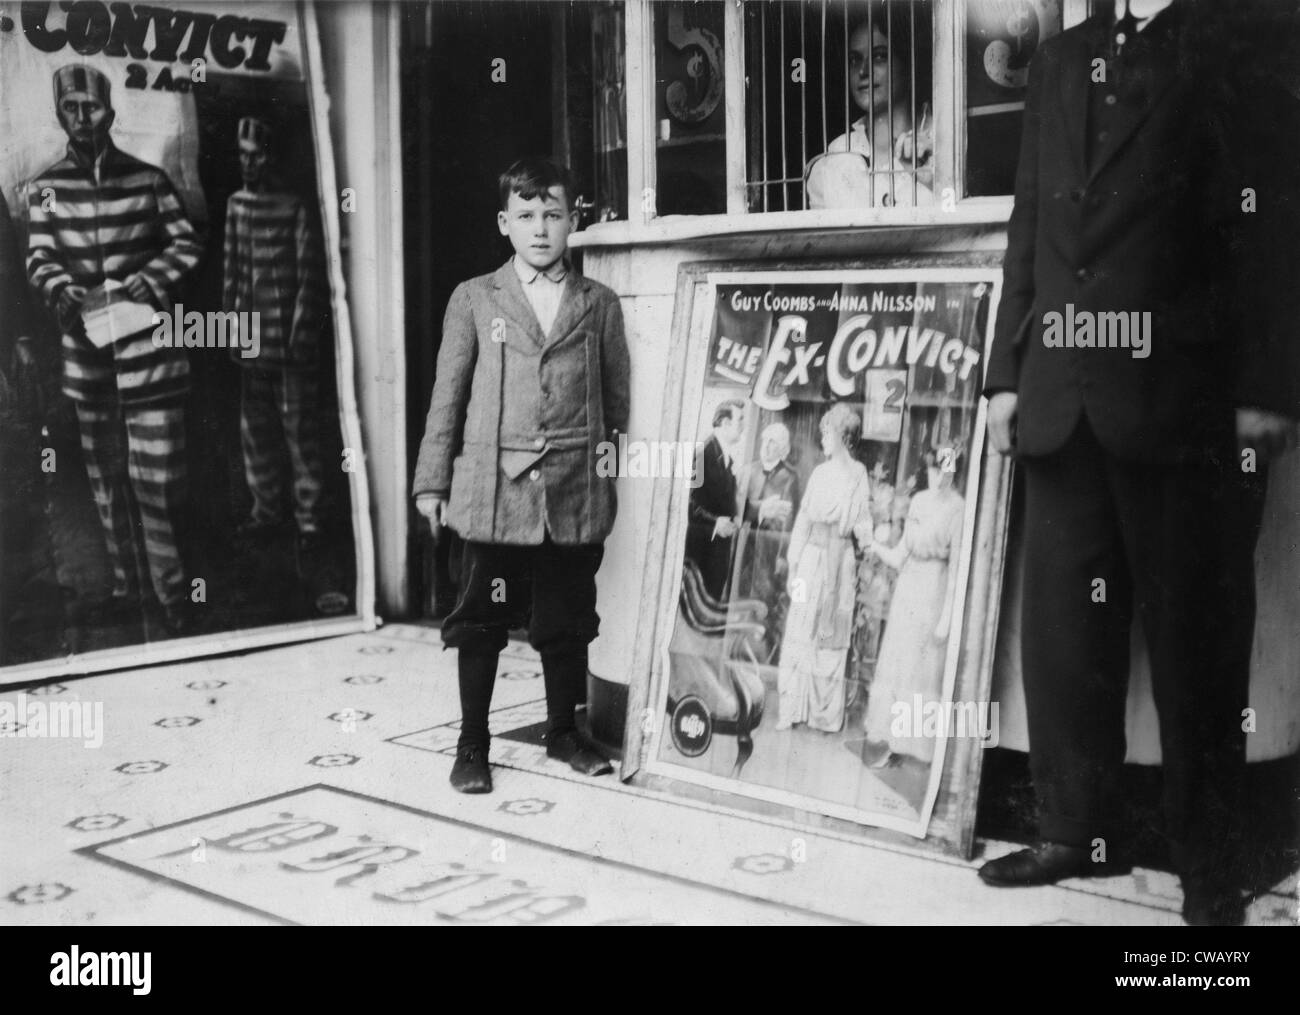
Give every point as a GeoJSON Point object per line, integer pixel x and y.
{"type": "Point", "coordinates": [534, 475]}
{"type": "Point", "coordinates": [1081, 274]}
{"type": "Point", "coordinates": [540, 442]}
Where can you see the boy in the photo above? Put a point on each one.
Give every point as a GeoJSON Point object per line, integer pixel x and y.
{"type": "Point", "coordinates": [274, 268]}
{"type": "Point", "coordinates": [532, 376]}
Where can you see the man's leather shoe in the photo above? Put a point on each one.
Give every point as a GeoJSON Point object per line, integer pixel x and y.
{"type": "Point", "coordinates": [1211, 902]}
{"type": "Point", "coordinates": [470, 773]}
{"type": "Point", "coordinates": [568, 746]}
{"type": "Point", "coordinates": [1046, 864]}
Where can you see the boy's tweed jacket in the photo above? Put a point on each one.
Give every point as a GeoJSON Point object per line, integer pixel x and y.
{"type": "Point", "coordinates": [517, 418]}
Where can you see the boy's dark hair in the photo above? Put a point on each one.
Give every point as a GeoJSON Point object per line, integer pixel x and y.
{"type": "Point", "coordinates": [534, 177]}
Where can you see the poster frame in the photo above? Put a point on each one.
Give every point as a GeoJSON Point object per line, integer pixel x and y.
{"type": "Point", "coordinates": [951, 824]}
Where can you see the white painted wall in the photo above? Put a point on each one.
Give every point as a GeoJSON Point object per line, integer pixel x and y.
{"type": "Point", "coordinates": [359, 48]}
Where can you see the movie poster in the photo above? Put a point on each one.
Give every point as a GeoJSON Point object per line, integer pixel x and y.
{"type": "Point", "coordinates": [823, 549]}
{"type": "Point", "coordinates": [182, 458]}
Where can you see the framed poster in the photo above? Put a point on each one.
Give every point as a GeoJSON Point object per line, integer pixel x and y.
{"type": "Point", "coordinates": [823, 632]}
{"type": "Point", "coordinates": [178, 426]}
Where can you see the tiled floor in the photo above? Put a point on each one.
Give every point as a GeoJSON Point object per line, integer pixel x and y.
{"type": "Point", "coordinates": [308, 784]}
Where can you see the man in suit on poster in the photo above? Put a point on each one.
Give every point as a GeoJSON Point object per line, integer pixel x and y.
{"type": "Point", "coordinates": [714, 511]}
{"type": "Point", "coordinates": [1143, 450]}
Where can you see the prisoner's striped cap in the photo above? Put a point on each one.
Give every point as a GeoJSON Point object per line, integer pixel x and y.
{"type": "Point", "coordinates": [253, 129]}
{"type": "Point", "coordinates": [77, 77]}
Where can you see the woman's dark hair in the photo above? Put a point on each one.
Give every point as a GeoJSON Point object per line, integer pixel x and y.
{"type": "Point", "coordinates": [907, 27]}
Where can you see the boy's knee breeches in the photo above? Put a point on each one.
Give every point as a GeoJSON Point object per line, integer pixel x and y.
{"type": "Point", "coordinates": [548, 589]}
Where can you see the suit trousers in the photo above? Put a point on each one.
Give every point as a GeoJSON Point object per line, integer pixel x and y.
{"type": "Point", "coordinates": [135, 460]}
{"type": "Point", "coordinates": [1107, 538]}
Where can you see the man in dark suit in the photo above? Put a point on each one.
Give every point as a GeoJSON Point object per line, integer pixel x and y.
{"type": "Point", "coordinates": [713, 511]}
{"type": "Point", "coordinates": [1129, 201]}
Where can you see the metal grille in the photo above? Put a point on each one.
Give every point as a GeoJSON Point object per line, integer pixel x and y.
{"type": "Point", "coordinates": [832, 89]}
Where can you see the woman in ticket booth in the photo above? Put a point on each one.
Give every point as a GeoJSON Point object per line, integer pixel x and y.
{"type": "Point", "coordinates": [894, 166]}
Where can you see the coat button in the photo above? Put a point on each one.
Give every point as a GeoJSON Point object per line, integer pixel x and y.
{"type": "Point", "coordinates": [1081, 274]}
{"type": "Point", "coordinates": [540, 442]}
{"type": "Point", "coordinates": [534, 475]}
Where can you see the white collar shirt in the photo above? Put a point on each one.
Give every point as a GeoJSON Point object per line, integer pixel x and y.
{"type": "Point", "coordinates": [543, 290]}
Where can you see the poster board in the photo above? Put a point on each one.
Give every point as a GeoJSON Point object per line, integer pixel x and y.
{"type": "Point", "coordinates": [249, 367]}
{"type": "Point", "coordinates": [753, 680]}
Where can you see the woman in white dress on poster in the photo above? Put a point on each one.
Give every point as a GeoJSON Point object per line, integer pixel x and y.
{"type": "Point", "coordinates": [814, 650]}
{"type": "Point", "coordinates": [915, 642]}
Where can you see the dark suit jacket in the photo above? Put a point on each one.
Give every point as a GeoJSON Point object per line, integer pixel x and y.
{"type": "Point", "coordinates": [518, 419]}
{"type": "Point", "coordinates": [781, 482]}
{"type": "Point", "coordinates": [715, 497]}
{"type": "Point", "coordinates": [1155, 225]}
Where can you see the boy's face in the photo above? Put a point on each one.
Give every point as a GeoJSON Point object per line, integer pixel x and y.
{"type": "Point", "coordinates": [538, 228]}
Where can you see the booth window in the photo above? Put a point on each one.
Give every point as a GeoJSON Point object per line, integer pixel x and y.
{"type": "Point", "coordinates": [589, 114]}
{"type": "Point", "coordinates": [1001, 36]}
{"type": "Point", "coordinates": [838, 104]}
{"type": "Point", "coordinates": [690, 116]}
{"type": "Point", "coordinates": [777, 106]}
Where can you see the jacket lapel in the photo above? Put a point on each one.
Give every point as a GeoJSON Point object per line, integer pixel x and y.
{"type": "Point", "coordinates": [527, 334]}
{"type": "Point", "coordinates": [1163, 73]}
{"type": "Point", "coordinates": [1076, 78]}
{"type": "Point", "coordinates": [575, 304]}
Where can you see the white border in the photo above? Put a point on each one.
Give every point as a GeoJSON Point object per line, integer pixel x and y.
{"type": "Point", "coordinates": [702, 313]}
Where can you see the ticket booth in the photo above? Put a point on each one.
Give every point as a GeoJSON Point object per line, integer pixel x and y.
{"type": "Point", "coordinates": [736, 162]}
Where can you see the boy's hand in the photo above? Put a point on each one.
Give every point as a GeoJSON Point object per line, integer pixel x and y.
{"type": "Point", "coordinates": [433, 508]}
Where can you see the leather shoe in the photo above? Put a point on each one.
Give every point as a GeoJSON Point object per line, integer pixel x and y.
{"type": "Point", "coordinates": [471, 773]}
{"type": "Point", "coordinates": [1046, 864]}
{"type": "Point", "coordinates": [568, 746]}
{"type": "Point", "coordinates": [1211, 902]}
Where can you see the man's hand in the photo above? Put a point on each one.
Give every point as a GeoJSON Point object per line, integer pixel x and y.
{"type": "Point", "coordinates": [1002, 421]}
{"type": "Point", "coordinates": [774, 508]}
{"type": "Point", "coordinates": [70, 300]}
{"type": "Point", "coordinates": [724, 528]}
{"type": "Point", "coordinates": [435, 509]}
{"type": "Point", "coordinates": [1269, 433]}
{"type": "Point", "coordinates": [138, 290]}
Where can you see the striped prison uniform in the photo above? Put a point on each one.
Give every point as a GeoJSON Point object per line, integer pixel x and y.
{"type": "Point", "coordinates": [274, 267]}
{"type": "Point", "coordinates": [114, 219]}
